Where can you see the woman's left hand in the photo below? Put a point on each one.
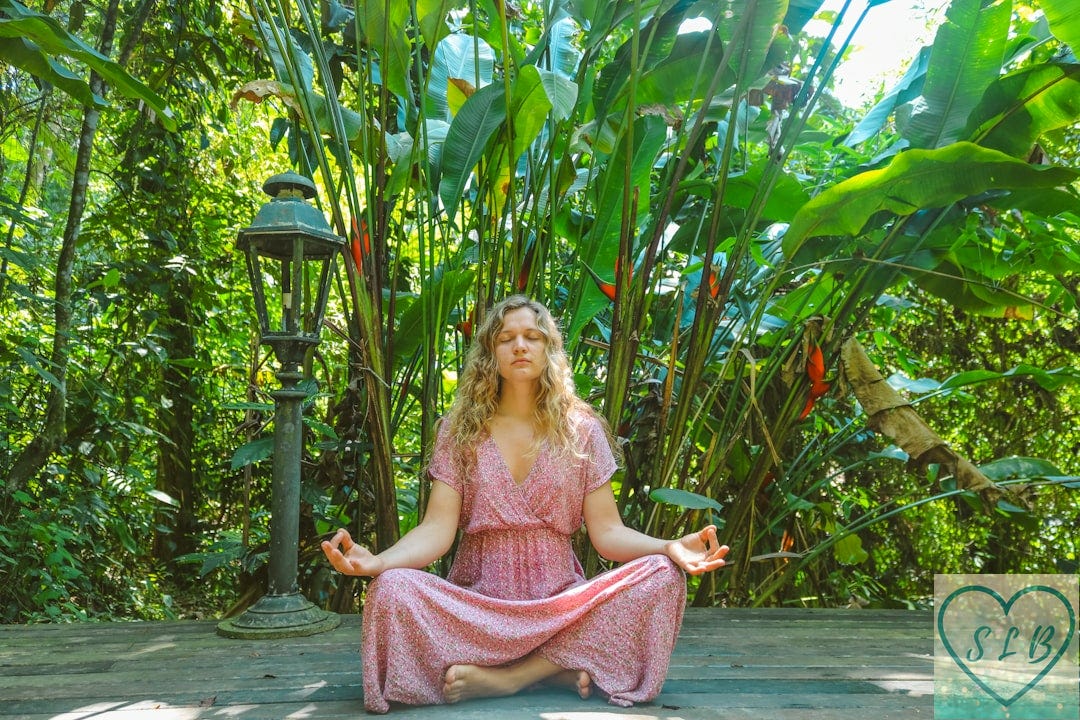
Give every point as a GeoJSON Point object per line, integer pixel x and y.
{"type": "Point", "coordinates": [698, 552]}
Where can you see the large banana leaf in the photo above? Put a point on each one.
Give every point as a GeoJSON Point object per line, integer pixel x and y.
{"type": "Point", "coordinates": [36, 43]}
{"type": "Point", "coordinates": [385, 26]}
{"type": "Point", "coordinates": [1022, 106]}
{"type": "Point", "coordinates": [654, 44]}
{"type": "Point", "coordinates": [759, 23]}
{"type": "Point", "coordinates": [461, 57]}
{"type": "Point", "coordinates": [800, 12]}
{"type": "Point", "coordinates": [970, 291]}
{"type": "Point", "coordinates": [556, 50]}
{"type": "Point", "coordinates": [966, 57]}
{"type": "Point", "coordinates": [479, 118]}
{"type": "Point", "coordinates": [915, 180]}
{"type": "Point", "coordinates": [909, 88]}
{"type": "Point", "coordinates": [601, 17]}
{"type": "Point", "coordinates": [684, 75]}
{"type": "Point", "coordinates": [26, 55]}
{"type": "Point", "coordinates": [530, 108]}
{"type": "Point", "coordinates": [631, 165]}
{"type": "Point", "coordinates": [1064, 19]}
{"type": "Point", "coordinates": [431, 17]}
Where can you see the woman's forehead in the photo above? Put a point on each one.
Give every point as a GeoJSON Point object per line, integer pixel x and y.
{"type": "Point", "coordinates": [522, 318]}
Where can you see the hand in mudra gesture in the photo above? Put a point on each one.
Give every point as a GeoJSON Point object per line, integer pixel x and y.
{"type": "Point", "coordinates": [349, 558]}
{"type": "Point", "coordinates": [698, 552]}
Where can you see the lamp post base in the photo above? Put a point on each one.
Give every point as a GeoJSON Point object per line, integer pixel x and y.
{"type": "Point", "coordinates": [279, 616]}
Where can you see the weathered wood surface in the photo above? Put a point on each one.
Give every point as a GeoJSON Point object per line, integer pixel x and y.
{"type": "Point", "coordinates": [766, 664]}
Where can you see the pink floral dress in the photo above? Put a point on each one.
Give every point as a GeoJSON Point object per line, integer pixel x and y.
{"type": "Point", "coordinates": [516, 588]}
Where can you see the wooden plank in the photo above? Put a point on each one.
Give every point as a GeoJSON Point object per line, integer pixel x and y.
{"type": "Point", "coordinates": [738, 663]}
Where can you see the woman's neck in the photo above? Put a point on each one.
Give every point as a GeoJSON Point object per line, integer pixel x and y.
{"type": "Point", "coordinates": [517, 401]}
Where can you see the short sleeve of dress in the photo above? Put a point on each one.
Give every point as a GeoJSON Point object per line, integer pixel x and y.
{"type": "Point", "coordinates": [601, 463]}
{"type": "Point", "coordinates": [442, 466]}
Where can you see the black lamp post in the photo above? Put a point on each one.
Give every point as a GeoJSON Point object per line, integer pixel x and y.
{"type": "Point", "coordinates": [290, 253]}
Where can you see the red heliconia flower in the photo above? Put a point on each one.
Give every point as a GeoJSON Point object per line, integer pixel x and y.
{"type": "Point", "coordinates": [360, 246]}
{"type": "Point", "coordinates": [714, 283]}
{"type": "Point", "coordinates": [815, 372]}
{"type": "Point", "coordinates": [786, 542]}
{"type": "Point", "coordinates": [605, 287]}
{"type": "Point", "coordinates": [465, 327]}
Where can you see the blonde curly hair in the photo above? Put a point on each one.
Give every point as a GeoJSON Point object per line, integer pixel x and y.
{"type": "Point", "coordinates": [558, 407]}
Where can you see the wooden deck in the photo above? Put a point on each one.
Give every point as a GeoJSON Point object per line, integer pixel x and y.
{"type": "Point", "coordinates": [763, 664]}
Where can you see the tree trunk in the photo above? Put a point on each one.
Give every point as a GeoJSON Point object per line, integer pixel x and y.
{"type": "Point", "coordinates": [176, 474]}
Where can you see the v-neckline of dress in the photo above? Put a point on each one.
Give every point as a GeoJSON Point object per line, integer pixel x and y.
{"type": "Point", "coordinates": [506, 465]}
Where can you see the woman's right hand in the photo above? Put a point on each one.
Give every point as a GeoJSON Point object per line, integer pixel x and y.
{"type": "Point", "coordinates": [349, 558]}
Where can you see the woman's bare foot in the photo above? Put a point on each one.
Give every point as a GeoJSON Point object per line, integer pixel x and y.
{"type": "Point", "coordinates": [576, 680]}
{"type": "Point", "coordinates": [465, 682]}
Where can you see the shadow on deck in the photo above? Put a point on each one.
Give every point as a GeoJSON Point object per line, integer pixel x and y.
{"type": "Point", "coordinates": [767, 664]}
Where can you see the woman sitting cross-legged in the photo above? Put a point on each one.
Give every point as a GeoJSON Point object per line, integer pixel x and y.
{"type": "Point", "coordinates": [518, 463]}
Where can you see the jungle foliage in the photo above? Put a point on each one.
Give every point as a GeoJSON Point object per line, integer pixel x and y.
{"type": "Point", "coordinates": [674, 178]}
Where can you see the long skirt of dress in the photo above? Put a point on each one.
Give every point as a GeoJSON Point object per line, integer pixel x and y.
{"type": "Point", "coordinates": [620, 627]}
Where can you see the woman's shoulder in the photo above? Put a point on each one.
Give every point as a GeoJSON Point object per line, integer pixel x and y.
{"type": "Point", "coordinates": [586, 421]}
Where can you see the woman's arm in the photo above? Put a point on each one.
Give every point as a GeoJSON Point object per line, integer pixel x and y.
{"type": "Point", "coordinates": [418, 548]}
{"type": "Point", "coordinates": [614, 541]}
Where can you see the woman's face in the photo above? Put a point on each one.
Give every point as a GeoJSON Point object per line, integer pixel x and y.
{"type": "Point", "coordinates": [520, 346]}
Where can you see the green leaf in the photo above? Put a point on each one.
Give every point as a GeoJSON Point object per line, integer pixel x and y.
{"type": "Point", "coordinates": [966, 57]}
{"type": "Point", "coordinates": [320, 427]}
{"type": "Point", "coordinates": [848, 550]}
{"type": "Point", "coordinates": [557, 50]}
{"type": "Point", "coordinates": [785, 196]}
{"type": "Point", "coordinates": [473, 126]}
{"type": "Point", "coordinates": [529, 109]}
{"type": "Point", "coordinates": [968, 290]}
{"type": "Point", "coordinates": [461, 57]}
{"type": "Point", "coordinates": [600, 247]}
{"type": "Point", "coordinates": [253, 452]}
{"type": "Point", "coordinates": [800, 12]}
{"type": "Point", "coordinates": [1064, 19]}
{"type": "Point", "coordinates": [684, 499]}
{"type": "Point", "coordinates": [760, 21]}
{"type": "Point", "coordinates": [30, 359]}
{"type": "Point", "coordinates": [892, 452]}
{"type": "Point", "coordinates": [797, 504]}
{"type": "Point", "coordinates": [123, 532]}
{"type": "Point", "coordinates": [162, 497]}
{"type": "Point", "coordinates": [56, 42]}
{"type": "Point", "coordinates": [611, 84]}
{"type": "Point", "coordinates": [385, 26]}
{"type": "Point", "coordinates": [290, 55]}
{"type": "Point", "coordinates": [431, 15]}
{"type": "Point", "coordinates": [915, 180]}
{"type": "Point", "coordinates": [22, 53]}
{"type": "Point", "coordinates": [1021, 107]}
{"type": "Point", "coordinates": [1047, 379]}
{"type": "Point", "coordinates": [917, 386]}
{"type": "Point", "coordinates": [1018, 467]}
{"type": "Point", "coordinates": [909, 88]}
{"type": "Point", "coordinates": [685, 73]}
{"type": "Point", "coordinates": [561, 92]}
{"type": "Point", "coordinates": [445, 292]}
